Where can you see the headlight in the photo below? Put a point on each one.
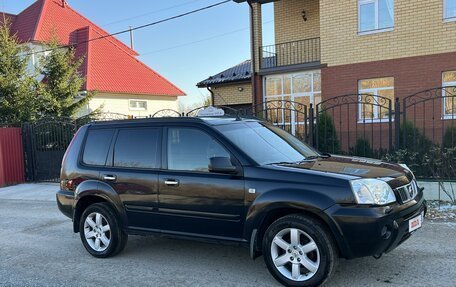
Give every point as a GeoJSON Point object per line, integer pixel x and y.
{"type": "Point", "coordinates": [372, 191]}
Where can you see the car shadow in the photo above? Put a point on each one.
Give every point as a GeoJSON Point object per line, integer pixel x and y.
{"type": "Point", "coordinates": [225, 260]}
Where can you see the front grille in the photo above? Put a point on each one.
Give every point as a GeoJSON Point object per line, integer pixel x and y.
{"type": "Point", "coordinates": [407, 192]}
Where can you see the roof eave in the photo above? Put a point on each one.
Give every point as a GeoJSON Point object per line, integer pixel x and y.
{"type": "Point", "coordinates": [205, 85]}
{"type": "Point", "coordinates": [135, 93]}
{"type": "Point", "coordinates": [255, 1]}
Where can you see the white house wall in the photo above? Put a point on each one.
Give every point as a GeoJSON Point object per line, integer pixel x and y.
{"type": "Point", "coordinates": [120, 103]}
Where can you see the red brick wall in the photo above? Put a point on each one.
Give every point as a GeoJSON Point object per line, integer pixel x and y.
{"type": "Point", "coordinates": [411, 75]}
{"type": "Point", "coordinates": [258, 89]}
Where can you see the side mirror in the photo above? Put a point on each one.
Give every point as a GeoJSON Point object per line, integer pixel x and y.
{"type": "Point", "coordinates": [221, 165]}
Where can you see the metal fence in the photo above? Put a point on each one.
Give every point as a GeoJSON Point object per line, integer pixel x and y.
{"type": "Point", "coordinates": [11, 156]}
{"type": "Point", "coordinates": [416, 128]}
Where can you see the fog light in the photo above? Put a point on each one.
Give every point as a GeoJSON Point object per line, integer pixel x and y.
{"type": "Point", "coordinates": [386, 233]}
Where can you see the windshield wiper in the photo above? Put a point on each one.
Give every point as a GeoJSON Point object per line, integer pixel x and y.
{"type": "Point", "coordinates": [283, 162]}
{"type": "Point", "coordinates": [310, 157]}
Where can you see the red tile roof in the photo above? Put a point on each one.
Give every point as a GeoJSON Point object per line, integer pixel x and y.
{"type": "Point", "coordinates": [109, 65]}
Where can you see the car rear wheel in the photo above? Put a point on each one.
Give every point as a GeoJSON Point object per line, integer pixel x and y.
{"type": "Point", "coordinates": [299, 251]}
{"type": "Point", "coordinates": [100, 231]}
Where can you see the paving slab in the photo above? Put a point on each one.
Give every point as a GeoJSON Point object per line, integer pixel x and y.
{"type": "Point", "coordinates": [30, 191]}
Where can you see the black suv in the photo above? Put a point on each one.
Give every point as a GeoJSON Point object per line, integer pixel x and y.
{"type": "Point", "coordinates": [233, 180]}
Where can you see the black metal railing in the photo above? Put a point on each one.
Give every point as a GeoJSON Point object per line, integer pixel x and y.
{"type": "Point", "coordinates": [418, 129]}
{"type": "Point", "coordinates": [290, 53]}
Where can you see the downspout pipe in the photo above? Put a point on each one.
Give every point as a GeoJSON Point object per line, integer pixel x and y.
{"type": "Point", "coordinates": [252, 52]}
{"type": "Point", "coordinates": [212, 95]}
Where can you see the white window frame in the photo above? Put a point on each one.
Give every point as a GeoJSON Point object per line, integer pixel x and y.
{"type": "Point", "coordinates": [446, 116]}
{"type": "Point", "coordinates": [376, 29]}
{"type": "Point", "coordinates": [447, 18]}
{"type": "Point", "coordinates": [136, 108]}
{"type": "Point", "coordinates": [376, 108]}
{"type": "Point", "coordinates": [291, 95]}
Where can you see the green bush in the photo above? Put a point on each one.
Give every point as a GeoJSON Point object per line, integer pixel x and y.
{"type": "Point", "coordinates": [327, 136]}
{"type": "Point", "coordinates": [449, 138]}
{"type": "Point", "coordinates": [362, 148]}
{"type": "Point", "coordinates": [436, 163]}
{"type": "Point", "coordinates": [415, 140]}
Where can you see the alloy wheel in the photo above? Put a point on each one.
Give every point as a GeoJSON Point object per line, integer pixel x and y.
{"type": "Point", "coordinates": [97, 231]}
{"type": "Point", "coordinates": [295, 254]}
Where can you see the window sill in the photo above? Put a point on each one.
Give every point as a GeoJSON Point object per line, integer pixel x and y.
{"type": "Point", "coordinates": [374, 121]}
{"type": "Point", "coordinates": [449, 20]}
{"type": "Point", "coordinates": [448, 117]}
{"type": "Point", "coordinates": [137, 109]}
{"type": "Point", "coordinates": [362, 33]}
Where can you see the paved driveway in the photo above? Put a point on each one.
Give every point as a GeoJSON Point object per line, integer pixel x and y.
{"type": "Point", "coordinates": [38, 248]}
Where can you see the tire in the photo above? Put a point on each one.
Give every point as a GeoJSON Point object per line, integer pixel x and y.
{"type": "Point", "coordinates": [314, 259]}
{"type": "Point", "coordinates": [95, 236]}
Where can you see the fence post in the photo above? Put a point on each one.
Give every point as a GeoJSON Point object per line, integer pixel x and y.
{"type": "Point", "coordinates": [316, 129]}
{"type": "Point", "coordinates": [311, 126]}
{"type": "Point", "coordinates": [397, 124]}
{"type": "Point", "coordinates": [29, 161]}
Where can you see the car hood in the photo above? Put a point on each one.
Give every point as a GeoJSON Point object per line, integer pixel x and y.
{"type": "Point", "coordinates": [394, 174]}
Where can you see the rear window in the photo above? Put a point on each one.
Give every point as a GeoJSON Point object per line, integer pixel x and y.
{"type": "Point", "coordinates": [137, 148]}
{"type": "Point", "coordinates": [97, 146]}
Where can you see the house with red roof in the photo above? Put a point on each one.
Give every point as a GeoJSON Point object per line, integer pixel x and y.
{"type": "Point", "coordinates": [123, 84]}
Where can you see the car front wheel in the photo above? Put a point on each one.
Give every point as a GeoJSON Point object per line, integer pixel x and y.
{"type": "Point", "coordinates": [299, 251]}
{"type": "Point", "coordinates": [100, 231]}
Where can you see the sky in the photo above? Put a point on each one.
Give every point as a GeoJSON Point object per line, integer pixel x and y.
{"type": "Point", "coordinates": [185, 50]}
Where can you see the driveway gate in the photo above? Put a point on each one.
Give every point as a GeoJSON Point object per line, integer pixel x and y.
{"type": "Point", "coordinates": [357, 124]}
{"type": "Point", "coordinates": [45, 143]}
{"type": "Point", "coordinates": [46, 140]}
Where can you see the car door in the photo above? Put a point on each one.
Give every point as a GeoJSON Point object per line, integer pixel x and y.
{"type": "Point", "coordinates": [192, 200]}
{"type": "Point", "coordinates": [132, 170]}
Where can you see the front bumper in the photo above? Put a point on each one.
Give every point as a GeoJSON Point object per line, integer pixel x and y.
{"type": "Point", "coordinates": [65, 201]}
{"type": "Point", "coordinates": [372, 231]}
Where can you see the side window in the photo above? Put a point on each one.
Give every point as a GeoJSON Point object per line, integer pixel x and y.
{"type": "Point", "coordinates": [190, 149]}
{"type": "Point", "coordinates": [449, 95]}
{"type": "Point", "coordinates": [375, 15]}
{"type": "Point", "coordinates": [137, 148]}
{"type": "Point", "coordinates": [97, 146]}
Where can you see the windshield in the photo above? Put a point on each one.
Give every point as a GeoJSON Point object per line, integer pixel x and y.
{"type": "Point", "coordinates": [266, 144]}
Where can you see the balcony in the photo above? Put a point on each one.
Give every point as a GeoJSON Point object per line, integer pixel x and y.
{"type": "Point", "coordinates": [303, 52]}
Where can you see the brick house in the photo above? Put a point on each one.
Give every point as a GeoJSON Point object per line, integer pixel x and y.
{"type": "Point", "coordinates": [231, 87]}
{"type": "Point", "coordinates": [324, 49]}
{"type": "Point", "coordinates": [123, 84]}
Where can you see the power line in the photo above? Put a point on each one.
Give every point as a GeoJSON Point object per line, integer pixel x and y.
{"type": "Point", "coordinates": [135, 28]}
{"type": "Point", "coordinates": [150, 13]}
{"type": "Point", "coordinates": [201, 40]}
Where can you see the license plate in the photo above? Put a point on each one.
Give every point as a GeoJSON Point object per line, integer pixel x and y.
{"type": "Point", "coordinates": [415, 222]}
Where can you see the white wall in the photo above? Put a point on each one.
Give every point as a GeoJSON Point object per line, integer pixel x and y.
{"type": "Point", "coordinates": [119, 103]}
{"type": "Point", "coordinates": [34, 59]}
{"type": "Point", "coordinates": [431, 190]}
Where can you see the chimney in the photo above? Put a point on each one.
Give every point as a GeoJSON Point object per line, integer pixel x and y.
{"type": "Point", "coordinates": [63, 3]}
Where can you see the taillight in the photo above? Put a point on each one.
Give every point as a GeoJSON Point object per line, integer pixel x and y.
{"type": "Point", "coordinates": [72, 184]}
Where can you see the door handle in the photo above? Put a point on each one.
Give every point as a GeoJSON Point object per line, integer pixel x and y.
{"type": "Point", "coordinates": [171, 182]}
{"type": "Point", "coordinates": [109, 177]}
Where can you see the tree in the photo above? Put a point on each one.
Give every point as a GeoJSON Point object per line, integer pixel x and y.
{"type": "Point", "coordinates": [18, 86]}
{"type": "Point", "coordinates": [62, 81]}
